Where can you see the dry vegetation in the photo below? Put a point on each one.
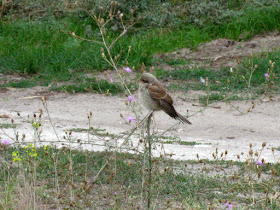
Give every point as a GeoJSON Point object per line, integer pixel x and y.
{"type": "Point", "coordinates": [60, 48]}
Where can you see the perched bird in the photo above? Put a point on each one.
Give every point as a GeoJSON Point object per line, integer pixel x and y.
{"type": "Point", "coordinates": [154, 97]}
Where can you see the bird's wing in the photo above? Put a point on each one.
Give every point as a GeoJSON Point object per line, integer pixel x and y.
{"type": "Point", "coordinates": [159, 94]}
{"type": "Point", "coordinates": [165, 101]}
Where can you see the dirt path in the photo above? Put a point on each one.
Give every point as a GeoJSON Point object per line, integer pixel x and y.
{"type": "Point", "coordinates": [225, 52]}
{"type": "Point", "coordinates": [222, 127]}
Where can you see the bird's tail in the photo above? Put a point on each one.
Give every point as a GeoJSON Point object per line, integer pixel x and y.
{"type": "Point", "coordinates": [182, 118]}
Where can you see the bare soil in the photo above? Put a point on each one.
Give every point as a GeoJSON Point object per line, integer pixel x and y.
{"type": "Point", "coordinates": [221, 126]}
{"type": "Point", "coordinates": [227, 53]}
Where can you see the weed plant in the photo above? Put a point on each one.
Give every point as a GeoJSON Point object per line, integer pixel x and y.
{"type": "Point", "coordinates": [65, 173]}
{"type": "Point", "coordinates": [61, 174]}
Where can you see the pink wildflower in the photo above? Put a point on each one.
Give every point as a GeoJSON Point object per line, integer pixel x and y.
{"type": "Point", "coordinates": [127, 69]}
{"type": "Point", "coordinates": [130, 119]}
{"type": "Point", "coordinates": [260, 163]}
{"type": "Point", "coordinates": [130, 98]}
{"type": "Point", "coordinates": [6, 141]}
{"type": "Point", "coordinates": [266, 76]}
{"type": "Point", "coordinates": [228, 205]}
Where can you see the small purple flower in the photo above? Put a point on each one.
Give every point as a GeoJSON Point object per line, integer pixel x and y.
{"type": "Point", "coordinates": [228, 205]}
{"type": "Point", "coordinates": [127, 69]}
{"type": "Point", "coordinates": [130, 98]}
{"type": "Point", "coordinates": [115, 193]}
{"type": "Point", "coordinates": [266, 76]}
{"type": "Point", "coordinates": [260, 163]}
{"type": "Point", "coordinates": [111, 79]}
{"type": "Point", "coordinates": [130, 119]}
{"type": "Point", "coordinates": [6, 141]}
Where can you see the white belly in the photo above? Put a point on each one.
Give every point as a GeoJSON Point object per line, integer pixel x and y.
{"type": "Point", "coordinates": [146, 100]}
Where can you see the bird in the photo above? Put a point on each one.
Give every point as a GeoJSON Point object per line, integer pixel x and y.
{"type": "Point", "coordinates": [155, 98]}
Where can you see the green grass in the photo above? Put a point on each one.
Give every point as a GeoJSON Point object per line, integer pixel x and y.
{"type": "Point", "coordinates": [23, 84]}
{"type": "Point", "coordinates": [243, 78]}
{"type": "Point", "coordinates": [188, 143]}
{"type": "Point", "coordinates": [101, 86]}
{"type": "Point", "coordinates": [95, 131]}
{"type": "Point", "coordinates": [215, 97]}
{"type": "Point", "coordinates": [80, 83]}
{"type": "Point", "coordinates": [74, 172]}
{"type": "Point", "coordinates": [42, 48]}
{"type": "Point", "coordinates": [36, 47]}
{"type": "Point", "coordinates": [6, 125]}
{"type": "Point", "coordinates": [278, 148]}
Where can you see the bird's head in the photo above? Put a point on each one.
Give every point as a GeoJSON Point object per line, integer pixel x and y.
{"type": "Point", "coordinates": [148, 78]}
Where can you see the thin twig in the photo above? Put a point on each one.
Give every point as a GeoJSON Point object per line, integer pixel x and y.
{"type": "Point", "coordinates": [133, 130]}
{"type": "Point", "coordinates": [149, 139]}
{"type": "Point", "coordinates": [99, 172]}
{"type": "Point", "coordinates": [44, 101]}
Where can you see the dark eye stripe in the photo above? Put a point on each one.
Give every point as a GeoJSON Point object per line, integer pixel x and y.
{"type": "Point", "coordinates": [145, 81]}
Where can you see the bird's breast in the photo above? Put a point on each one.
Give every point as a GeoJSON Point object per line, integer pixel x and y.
{"type": "Point", "coordinates": [146, 100]}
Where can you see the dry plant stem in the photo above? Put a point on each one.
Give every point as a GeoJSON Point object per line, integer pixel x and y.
{"type": "Point", "coordinates": [3, 6]}
{"type": "Point", "coordinates": [236, 108]}
{"type": "Point", "coordinates": [71, 170]}
{"type": "Point", "coordinates": [56, 176]}
{"type": "Point", "coordinates": [83, 39]}
{"type": "Point", "coordinates": [111, 61]}
{"type": "Point", "coordinates": [250, 78]}
{"type": "Point", "coordinates": [88, 141]}
{"type": "Point", "coordinates": [149, 140]}
{"type": "Point", "coordinates": [134, 129]}
{"type": "Point", "coordinates": [55, 162]}
{"type": "Point", "coordinates": [34, 182]}
{"type": "Point", "coordinates": [115, 156]}
{"type": "Point", "coordinates": [44, 101]}
{"type": "Point", "coordinates": [108, 48]}
{"type": "Point", "coordinates": [8, 135]}
{"type": "Point", "coordinates": [99, 172]}
{"type": "Point", "coordinates": [7, 188]}
{"type": "Point", "coordinates": [253, 190]}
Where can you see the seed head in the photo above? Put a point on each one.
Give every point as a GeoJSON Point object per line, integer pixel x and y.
{"type": "Point", "coordinates": [251, 152]}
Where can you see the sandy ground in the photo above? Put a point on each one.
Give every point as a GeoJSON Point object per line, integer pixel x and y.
{"type": "Point", "coordinates": [221, 126]}
{"type": "Point", "coordinates": [226, 53]}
